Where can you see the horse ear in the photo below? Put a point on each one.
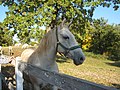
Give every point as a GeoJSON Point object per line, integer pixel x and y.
{"type": "Point", "coordinates": [70, 24]}
{"type": "Point", "coordinates": [63, 22]}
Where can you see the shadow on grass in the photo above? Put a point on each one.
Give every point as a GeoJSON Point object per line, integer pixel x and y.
{"type": "Point", "coordinates": [61, 59]}
{"type": "Point", "coordinates": [116, 63]}
{"type": "Point", "coordinates": [116, 86]}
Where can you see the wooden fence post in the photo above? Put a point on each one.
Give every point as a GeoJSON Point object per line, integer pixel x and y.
{"type": "Point", "coordinates": [19, 75]}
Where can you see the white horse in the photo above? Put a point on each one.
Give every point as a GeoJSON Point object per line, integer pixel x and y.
{"type": "Point", "coordinates": [17, 44]}
{"type": "Point", "coordinates": [61, 40]}
{"type": "Point", "coordinates": [25, 46]}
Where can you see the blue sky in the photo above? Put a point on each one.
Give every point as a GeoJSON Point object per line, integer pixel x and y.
{"type": "Point", "coordinates": [2, 12]}
{"type": "Point", "coordinates": [107, 13]}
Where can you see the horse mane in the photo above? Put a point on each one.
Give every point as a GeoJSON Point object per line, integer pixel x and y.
{"type": "Point", "coordinates": [46, 42]}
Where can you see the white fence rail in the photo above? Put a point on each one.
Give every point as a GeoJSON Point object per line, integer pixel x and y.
{"type": "Point", "coordinates": [19, 75]}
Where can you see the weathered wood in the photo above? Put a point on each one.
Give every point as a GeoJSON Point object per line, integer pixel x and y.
{"type": "Point", "coordinates": [63, 81]}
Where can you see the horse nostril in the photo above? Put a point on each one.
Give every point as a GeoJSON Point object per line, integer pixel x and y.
{"type": "Point", "coordinates": [81, 58]}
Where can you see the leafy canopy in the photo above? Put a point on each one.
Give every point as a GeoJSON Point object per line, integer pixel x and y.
{"type": "Point", "coordinates": [25, 17]}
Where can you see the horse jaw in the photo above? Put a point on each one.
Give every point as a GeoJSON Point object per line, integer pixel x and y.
{"type": "Point", "coordinates": [77, 56]}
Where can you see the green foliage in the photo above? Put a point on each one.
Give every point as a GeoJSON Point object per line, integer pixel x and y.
{"type": "Point", "coordinates": [83, 34]}
{"type": "Point", "coordinates": [38, 34]}
{"type": "Point", "coordinates": [24, 14]}
{"type": "Point", "coordinates": [5, 36]}
{"type": "Point", "coordinates": [25, 17]}
{"type": "Point", "coordinates": [106, 39]}
{"type": "Point", "coordinates": [33, 43]}
{"type": "Point", "coordinates": [115, 48]}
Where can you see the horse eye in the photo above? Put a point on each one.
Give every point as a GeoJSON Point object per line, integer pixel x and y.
{"type": "Point", "coordinates": [65, 37]}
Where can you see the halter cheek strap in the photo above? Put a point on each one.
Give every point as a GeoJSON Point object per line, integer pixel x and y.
{"type": "Point", "coordinates": [67, 50]}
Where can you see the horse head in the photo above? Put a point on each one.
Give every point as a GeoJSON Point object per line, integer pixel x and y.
{"type": "Point", "coordinates": [67, 44]}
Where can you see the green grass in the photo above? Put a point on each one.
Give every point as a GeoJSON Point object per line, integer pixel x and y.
{"type": "Point", "coordinates": [96, 68]}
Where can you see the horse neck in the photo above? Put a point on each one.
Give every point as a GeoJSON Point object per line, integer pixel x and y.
{"type": "Point", "coordinates": [47, 47]}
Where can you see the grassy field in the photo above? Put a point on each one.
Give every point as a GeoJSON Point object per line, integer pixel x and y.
{"type": "Point", "coordinates": [96, 68]}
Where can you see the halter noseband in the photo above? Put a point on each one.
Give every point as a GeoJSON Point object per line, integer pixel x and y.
{"type": "Point", "coordinates": [67, 50]}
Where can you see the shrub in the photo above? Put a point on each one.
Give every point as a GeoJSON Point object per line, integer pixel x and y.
{"type": "Point", "coordinates": [106, 40]}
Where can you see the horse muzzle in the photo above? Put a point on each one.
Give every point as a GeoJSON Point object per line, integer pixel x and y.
{"type": "Point", "coordinates": [79, 61]}
{"type": "Point", "coordinates": [78, 57]}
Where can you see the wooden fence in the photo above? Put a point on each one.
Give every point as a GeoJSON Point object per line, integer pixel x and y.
{"type": "Point", "coordinates": [64, 82]}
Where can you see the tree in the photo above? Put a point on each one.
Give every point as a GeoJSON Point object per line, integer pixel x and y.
{"type": "Point", "coordinates": [106, 39]}
{"type": "Point", "coordinates": [83, 34]}
{"type": "Point", "coordinates": [5, 36]}
{"type": "Point", "coordinates": [24, 14]}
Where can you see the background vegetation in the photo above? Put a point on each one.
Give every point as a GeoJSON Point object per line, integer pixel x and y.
{"type": "Point", "coordinates": [25, 17]}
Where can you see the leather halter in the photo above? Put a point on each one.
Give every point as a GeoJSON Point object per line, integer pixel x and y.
{"type": "Point", "coordinates": [67, 50]}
